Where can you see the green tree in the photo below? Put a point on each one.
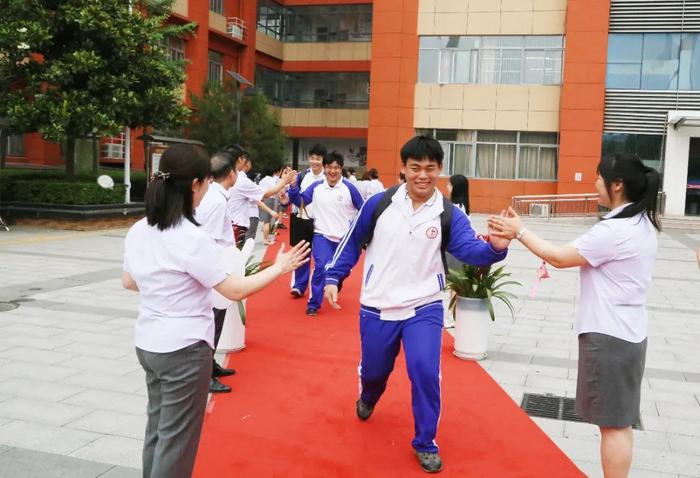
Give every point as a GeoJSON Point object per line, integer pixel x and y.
{"type": "Point", "coordinates": [88, 67]}
{"type": "Point", "coordinates": [214, 124]}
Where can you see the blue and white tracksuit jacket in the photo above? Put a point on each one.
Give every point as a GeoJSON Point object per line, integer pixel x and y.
{"type": "Point", "coordinates": [333, 210]}
{"type": "Point", "coordinates": [300, 277]}
{"type": "Point", "coordinates": [401, 299]}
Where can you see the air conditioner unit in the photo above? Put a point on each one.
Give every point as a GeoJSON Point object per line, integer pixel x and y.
{"type": "Point", "coordinates": [539, 209]}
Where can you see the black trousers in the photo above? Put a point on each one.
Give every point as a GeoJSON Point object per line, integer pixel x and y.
{"type": "Point", "coordinates": [219, 316]}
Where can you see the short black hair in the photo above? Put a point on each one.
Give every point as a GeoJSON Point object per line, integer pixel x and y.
{"type": "Point", "coordinates": [235, 150]}
{"type": "Point", "coordinates": [373, 173]}
{"type": "Point", "coordinates": [333, 157]}
{"type": "Point", "coordinates": [222, 163]}
{"type": "Point", "coordinates": [421, 147]}
{"type": "Point", "coordinates": [318, 149]}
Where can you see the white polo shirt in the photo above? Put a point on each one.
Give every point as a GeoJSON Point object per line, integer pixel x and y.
{"type": "Point", "coordinates": [308, 179]}
{"type": "Point", "coordinates": [241, 195]}
{"type": "Point", "coordinates": [175, 271]}
{"type": "Point", "coordinates": [374, 186]}
{"type": "Point", "coordinates": [212, 215]}
{"type": "Point", "coordinates": [621, 254]}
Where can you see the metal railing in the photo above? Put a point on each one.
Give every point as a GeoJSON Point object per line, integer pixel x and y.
{"type": "Point", "coordinates": [236, 27]}
{"type": "Point", "coordinates": [566, 205]}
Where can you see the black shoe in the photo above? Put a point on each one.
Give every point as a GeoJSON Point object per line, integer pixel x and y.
{"type": "Point", "coordinates": [296, 293]}
{"type": "Point", "coordinates": [363, 410]}
{"type": "Point", "coordinates": [219, 371]}
{"type": "Point", "coordinates": [430, 462]}
{"type": "Point", "coordinates": [311, 312]}
{"type": "Point", "coordinates": [281, 226]}
{"type": "Point", "coordinates": [217, 387]}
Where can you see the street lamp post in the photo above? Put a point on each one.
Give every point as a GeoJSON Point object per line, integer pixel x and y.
{"type": "Point", "coordinates": [239, 80]}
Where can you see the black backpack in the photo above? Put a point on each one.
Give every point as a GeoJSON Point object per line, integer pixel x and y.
{"type": "Point", "coordinates": [445, 221]}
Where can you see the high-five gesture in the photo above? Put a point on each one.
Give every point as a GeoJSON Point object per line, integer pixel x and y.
{"type": "Point", "coordinates": [293, 258]}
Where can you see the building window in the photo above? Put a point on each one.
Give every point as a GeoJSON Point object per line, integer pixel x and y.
{"type": "Point", "coordinates": [216, 67]}
{"type": "Point", "coordinates": [15, 145]}
{"type": "Point", "coordinates": [176, 49]}
{"type": "Point", "coordinates": [649, 147]}
{"type": "Point", "coordinates": [532, 59]}
{"type": "Point", "coordinates": [654, 61]}
{"type": "Point", "coordinates": [270, 18]}
{"type": "Point", "coordinates": [499, 154]}
{"type": "Point", "coordinates": [314, 90]}
{"type": "Point", "coordinates": [216, 6]}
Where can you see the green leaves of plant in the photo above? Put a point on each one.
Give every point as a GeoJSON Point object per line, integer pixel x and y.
{"type": "Point", "coordinates": [478, 282]}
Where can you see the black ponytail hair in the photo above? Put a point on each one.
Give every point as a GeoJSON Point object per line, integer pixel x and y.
{"type": "Point", "coordinates": [169, 195]}
{"type": "Point", "coordinates": [641, 185]}
{"type": "Point", "coordinates": [460, 191]}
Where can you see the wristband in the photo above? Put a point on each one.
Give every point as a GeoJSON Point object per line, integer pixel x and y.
{"type": "Point", "coordinates": [521, 233]}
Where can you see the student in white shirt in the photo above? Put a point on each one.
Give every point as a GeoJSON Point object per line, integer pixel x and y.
{"type": "Point", "coordinates": [212, 215]}
{"type": "Point", "coordinates": [403, 284]}
{"type": "Point", "coordinates": [300, 277]}
{"type": "Point", "coordinates": [269, 180]}
{"type": "Point", "coordinates": [335, 202]}
{"type": "Point", "coordinates": [374, 186]}
{"type": "Point", "coordinates": [458, 190]}
{"type": "Point", "coordinates": [615, 258]}
{"type": "Point", "coordinates": [174, 264]}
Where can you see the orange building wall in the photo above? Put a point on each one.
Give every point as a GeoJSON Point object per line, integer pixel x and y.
{"type": "Point", "coordinates": [583, 94]}
{"type": "Point", "coordinates": [392, 83]}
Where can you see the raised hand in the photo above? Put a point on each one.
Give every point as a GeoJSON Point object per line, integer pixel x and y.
{"type": "Point", "coordinates": [292, 259]}
{"type": "Point", "coordinates": [506, 225]}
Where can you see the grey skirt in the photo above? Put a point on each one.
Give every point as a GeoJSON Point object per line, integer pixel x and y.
{"type": "Point", "coordinates": [264, 215]}
{"type": "Point", "coordinates": [608, 389]}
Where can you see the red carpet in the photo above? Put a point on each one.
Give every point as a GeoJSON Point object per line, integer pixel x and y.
{"type": "Point", "coordinates": [292, 410]}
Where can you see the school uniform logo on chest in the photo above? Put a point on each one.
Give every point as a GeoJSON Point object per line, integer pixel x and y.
{"type": "Point", "coordinates": [339, 197]}
{"type": "Point", "coordinates": [431, 232]}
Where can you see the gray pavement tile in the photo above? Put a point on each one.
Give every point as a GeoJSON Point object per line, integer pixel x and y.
{"type": "Point", "coordinates": [122, 472]}
{"type": "Point", "coordinates": [29, 355]}
{"type": "Point", "coordinates": [33, 388]}
{"type": "Point", "coordinates": [17, 462]}
{"type": "Point", "coordinates": [106, 400]}
{"type": "Point", "coordinates": [115, 450]}
{"type": "Point", "coordinates": [46, 438]}
{"type": "Point", "coordinates": [15, 368]}
{"type": "Point", "coordinates": [679, 426]}
{"type": "Point", "coordinates": [107, 366]}
{"type": "Point", "coordinates": [4, 448]}
{"type": "Point", "coordinates": [678, 411]}
{"type": "Point", "coordinates": [112, 423]}
{"type": "Point", "coordinates": [28, 330]}
{"type": "Point", "coordinates": [684, 444]}
{"type": "Point", "coordinates": [97, 350]}
{"type": "Point", "coordinates": [116, 383]}
{"type": "Point", "coordinates": [40, 411]}
{"type": "Point", "coordinates": [40, 343]}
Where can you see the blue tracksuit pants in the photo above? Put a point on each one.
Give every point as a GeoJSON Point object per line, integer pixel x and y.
{"type": "Point", "coordinates": [300, 277]}
{"type": "Point", "coordinates": [421, 336]}
{"type": "Point", "coordinates": [322, 250]}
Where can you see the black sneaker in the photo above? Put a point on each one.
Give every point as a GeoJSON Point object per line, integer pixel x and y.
{"type": "Point", "coordinates": [364, 411]}
{"type": "Point", "coordinates": [296, 293]}
{"type": "Point", "coordinates": [429, 462]}
{"type": "Point", "coordinates": [217, 387]}
{"type": "Point", "coordinates": [311, 312]}
{"type": "Point", "coordinates": [219, 371]}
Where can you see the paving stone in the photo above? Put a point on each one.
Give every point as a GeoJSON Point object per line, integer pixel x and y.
{"type": "Point", "coordinates": [106, 366]}
{"type": "Point", "coordinates": [115, 450]}
{"type": "Point", "coordinates": [112, 423]}
{"type": "Point", "coordinates": [105, 400]}
{"type": "Point", "coordinates": [122, 472]}
{"type": "Point", "coordinates": [40, 411]}
{"type": "Point", "coordinates": [18, 462]}
{"type": "Point", "coordinates": [101, 381]}
{"type": "Point", "coordinates": [96, 350]}
{"type": "Point", "coordinates": [47, 438]}
{"type": "Point", "coordinates": [15, 368]}
{"type": "Point", "coordinates": [40, 390]}
{"type": "Point", "coordinates": [29, 355]}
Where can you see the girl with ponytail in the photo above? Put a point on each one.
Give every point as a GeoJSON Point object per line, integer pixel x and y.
{"type": "Point", "coordinates": [615, 258]}
{"type": "Point", "coordinates": [173, 264]}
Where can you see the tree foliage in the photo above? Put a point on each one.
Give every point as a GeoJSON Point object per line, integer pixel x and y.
{"type": "Point", "coordinates": [73, 68]}
{"type": "Point", "coordinates": [214, 124]}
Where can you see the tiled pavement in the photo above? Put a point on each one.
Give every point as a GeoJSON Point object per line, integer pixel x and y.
{"type": "Point", "coordinates": [72, 394]}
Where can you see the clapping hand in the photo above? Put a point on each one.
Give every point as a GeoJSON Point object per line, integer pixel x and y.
{"type": "Point", "coordinates": [292, 259]}
{"type": "Point", "coordinates": [506, 225]}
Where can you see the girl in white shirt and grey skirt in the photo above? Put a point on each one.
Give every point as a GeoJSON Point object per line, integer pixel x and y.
{"type": "Point", "coordinates": [615, 257]}
{"type": "Point", "coordinates": [174, 264]}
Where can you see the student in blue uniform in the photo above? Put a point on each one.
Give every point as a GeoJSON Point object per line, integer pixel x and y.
{"type": "Point", "coordinates": [334, 204]}
{"type": "Point", "coordinates": [403, 283]}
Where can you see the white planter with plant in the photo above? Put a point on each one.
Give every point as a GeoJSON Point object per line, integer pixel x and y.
{"type": "Point", "coordinates": [473, 290]}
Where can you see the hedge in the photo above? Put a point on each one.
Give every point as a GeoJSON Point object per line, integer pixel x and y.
{"type": "Point", "coordinates": [53, 191]}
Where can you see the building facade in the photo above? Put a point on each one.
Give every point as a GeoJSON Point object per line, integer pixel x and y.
{"type": "Point", "coordinates": [524, 95]}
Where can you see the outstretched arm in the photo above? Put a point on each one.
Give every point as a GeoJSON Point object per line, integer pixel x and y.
{"type": "Point", "coordinates": [467, 247]}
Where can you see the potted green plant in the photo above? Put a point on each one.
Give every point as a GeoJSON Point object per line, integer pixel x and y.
{"type": "Point", "coordinates": [473, 290]}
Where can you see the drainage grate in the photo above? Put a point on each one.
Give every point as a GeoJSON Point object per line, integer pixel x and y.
{"type": "Point", "coordinates": [7, 306]}
{"type": "Point", "coordinates": [555, 407]}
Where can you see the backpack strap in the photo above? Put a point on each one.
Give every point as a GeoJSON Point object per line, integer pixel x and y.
{"type": "Point", "coordinates": [446, 228]}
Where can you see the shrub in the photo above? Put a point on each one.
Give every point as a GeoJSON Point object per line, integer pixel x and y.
{"type": "Point", "coordinates": [55, 191]}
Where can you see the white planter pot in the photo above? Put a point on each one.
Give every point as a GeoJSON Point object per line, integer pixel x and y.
{"type": "Point", "coordinates": [233, 334]}
{"type": "Point", "coordinates": [472, 329]}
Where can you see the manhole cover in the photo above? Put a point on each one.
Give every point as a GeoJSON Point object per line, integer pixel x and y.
{"type": "Point", "coordinates": [555, 407]}
{"type": "Point", "coordinates": [6, 306]}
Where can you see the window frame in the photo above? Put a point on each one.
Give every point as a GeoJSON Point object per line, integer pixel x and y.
{"type": "Point", "coordinates": [216, 6]}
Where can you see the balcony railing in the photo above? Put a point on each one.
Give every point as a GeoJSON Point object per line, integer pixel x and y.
{"type": "Point", "coordinates": [566, 205]}
{"type": "Point", "coordinates": [236, 27]}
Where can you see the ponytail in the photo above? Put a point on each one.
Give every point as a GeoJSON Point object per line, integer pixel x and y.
{"type": "Point", "coordinates": [641, 185]}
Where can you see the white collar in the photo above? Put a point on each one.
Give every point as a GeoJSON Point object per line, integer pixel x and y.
{"type": "Point", "coordinates": [320, 175]}
{"type": "Point", "coordinates": [220, 189]}
{"type": "Point", "coordinates": [328, 186]}
{"type": "Point", "coordinates": [616, 210]}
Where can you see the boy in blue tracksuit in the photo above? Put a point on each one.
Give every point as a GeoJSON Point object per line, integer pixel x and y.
{"type": "Point", "coordinates": [334, 203]}
{"type": "Point", "coordinates": [403, 283]}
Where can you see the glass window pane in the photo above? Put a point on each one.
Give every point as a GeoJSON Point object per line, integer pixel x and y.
{"type": "Point", "coordinates": [544, 41]}
{"type": "Point", "coordinates": [538, 138]}
{"type": "Point", "coordinates": [462, 67]}
{"type": "Point", "coordinates": [489, 67]}
{"type": "Point", "coordinates": [527, 168]}
{"type": "Point", "coordinates": [502, 41]}
{"type": "Point", "coordinates": [689, 77]}
{"type": "Point", "coordinates": [461, 159]}
{"type": "Point", "coordinates": [497, 137]}
{"type": "Point", "coordinates": [511, 66]}
{"type": "Point", "coordinates": [505, 161]}
{"type": "Point", "coordinates": [447, 159]}
{"type": "Point", "coordinates": [534, 67]}
{"type": "Point", "coordinates": [445, 74]}
{"type": "Point", "coordinates": [548, 164]}
{"type": "Point", "coordinates": [552, 67]}
{"type": "Point", "coordinates": [621, 75]}
{"type": "Point", "coordinates": [428, 66]}
{"type": "Point", "coordinates": [485, 156]}
{"type": "Point", "coordinates": [660, 61]}
{"type": "Point", "coordinates": [429, 42]}
{"type": "Point", "coordinates": [625, 48]}
{"type": "Point", "coordinates": [446, 135]}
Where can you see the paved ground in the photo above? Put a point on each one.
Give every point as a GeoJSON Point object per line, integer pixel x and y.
{"type": "Point", "coordinates": [72, 394]}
